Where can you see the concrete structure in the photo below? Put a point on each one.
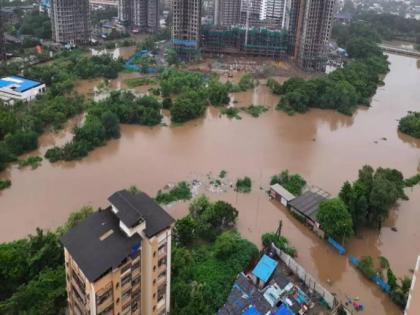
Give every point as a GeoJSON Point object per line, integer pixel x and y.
{"type": "Point", "coordinates": [118, 260]}
{"type": "Point", "coordinates": [413, 303]}
{"type": "Point", "coordinates": [2, 41]}
{"type": "Point", "coordinates": [310, 27]}
{"type": "Point", "coordinates": [186, 20]}
{"type": "Point", "coordinates": [70, 20]}
{"type": "Point", "coordinates": [104, 3]}
{"type": "Point", "coordinates": [14, 89]}
{"type": "Point", "coordinates": [281, 194]}
{"type": "Point", "coordinates": [140, 15]}
{"type": "Point", "coordinates": [275, 13]}
{"type": "Point", "coordinates": [227, 12]}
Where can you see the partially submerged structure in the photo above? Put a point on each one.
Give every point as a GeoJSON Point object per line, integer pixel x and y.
{"type": "Point", "coordinates": [413, 302]}
{"type": "Point", "coordinates": [279, 193]}
{"type": "Point", "coordinates": [306, 206]}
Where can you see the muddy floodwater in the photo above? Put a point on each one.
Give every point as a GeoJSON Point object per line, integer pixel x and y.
{"type": "Point", "coordinates": [327, 148]}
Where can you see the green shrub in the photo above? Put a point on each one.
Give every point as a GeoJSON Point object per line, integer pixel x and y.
{"type": "Point", "coordinates": [181, 191]}
{"type": "Point", "coordinates": [243, 185]}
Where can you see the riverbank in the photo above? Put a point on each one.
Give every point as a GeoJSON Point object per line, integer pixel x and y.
{"type": "Point", "coordinates": [327, 148]}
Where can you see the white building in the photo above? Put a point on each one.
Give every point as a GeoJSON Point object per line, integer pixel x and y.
{"type": "Point", "coordinates": [14, 88]}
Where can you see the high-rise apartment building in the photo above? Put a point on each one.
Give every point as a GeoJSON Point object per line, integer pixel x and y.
{"type": "Point", "coordinates": [70, 20]}
{"type": "Point", "coordinates": [227, 12]}
{"type": "Point", "coordinates": [186, 21]}
{"type": "Point", "coordinates": [142, 15]}
{"type": "Point", "coordinates": [2, 40]}
{"type": "Point", "coordinates": [275, 13]}
{"type": "Point", "coordinates": [118, 260]}
{"type": "Point", "coordinates": [311, 23]}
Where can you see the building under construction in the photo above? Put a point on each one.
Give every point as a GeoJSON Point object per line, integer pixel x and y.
{"type": "Point", "coordinates": [139, 15]}
{"type": "Point", "coordinates": [70, 20]}
{"type": "Point", "coordinates": [240, 41]}
{"type": "Point", "coordinates": [310, 29]}
{"type": "Point", "coordinates": [2, 40]}
{"type": "Point", "coordinates": [186, 24]}
{"type": "Point", "coordinates": [227, 13]}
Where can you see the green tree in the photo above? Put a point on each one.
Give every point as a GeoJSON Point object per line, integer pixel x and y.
{"type": "Point", "coordinates": [111, 123]}
{"type": "Point", "coordinates": [184, 230]}
{"type": "Point", "coordinates": [335, 219]}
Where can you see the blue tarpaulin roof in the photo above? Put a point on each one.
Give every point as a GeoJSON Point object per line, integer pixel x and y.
{"type": "Point", "coordinates": [265, 268]}
{"type": "Point", "coordinates": [283, 310]}
{"type": "Point", "coordinates": [251, 311]}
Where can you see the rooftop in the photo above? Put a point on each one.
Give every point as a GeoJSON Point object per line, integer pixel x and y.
{"type": "Point", "coordinates": [265, 268]}
{"type": "Point", "coordinates": [136, 208]}
{"type": "Point", "coordinates": [98, 244]}
{"type": "Point", "coordinates": [283, 192]}
{"type": "Point", "coordinates": [18, 84]}
{"type": "Point", "coordinates": [308, 203]}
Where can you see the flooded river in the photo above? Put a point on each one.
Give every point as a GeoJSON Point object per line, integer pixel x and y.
{"type": "Point", "coordinates": [327, 148]}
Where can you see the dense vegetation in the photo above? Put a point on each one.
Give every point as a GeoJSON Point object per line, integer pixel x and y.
{"type": "Point", "coordinates": [181, 191]}
{"type": "Point", "coordinates": [5, 183]}
{"type": "Point", "coordinates": [344, 88]}
{"type": "Point", "coordinates": [36, 24]}
{"type": "Point", "coordinates": [20, 125]}
{"type": "Point", "coordinates": [243, 185]}
{"type": "Point", "coordinates": [372, 195]}
{"type": "Point", "coordinates": [410, 124]}
{"type": "Point", "coordinates": [388, 26]}
{"type": "Point", "coordinates": [335, 219]}
{"type": "Point", "coordinates": [103, 123]}
{"type": "Point", "coordinates": [206, 257]}
{"type": "Point", "coordinates": [292, 182]}
{"type": "Point", "coordinates": [399, 288]}
{"type": "Point", "coordinates": [194, 93]}
{"type": "Point", "coordinates": [280, 242]}
{"type": "Point", "coordinates": [32, 272]}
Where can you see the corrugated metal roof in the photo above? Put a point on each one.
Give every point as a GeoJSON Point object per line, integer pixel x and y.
{"type": "Point", "coordinates": [307, 204]}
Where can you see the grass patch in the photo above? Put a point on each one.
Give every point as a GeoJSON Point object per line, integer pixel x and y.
{"type": "Point", "coordinates": [135, 82]}
{"type": "Point", "coordinates": [6, 183]}
{"type": "Point", "coordinates": [180, 191]}
{"type": "Point", "coordinates": [231, 112]}
{"type": "Point", "coordinates": [243, 185]}
{"type": "Point", "coordinates": [255, 110]}
{"type": "Point", "coordinates": [32, 161]}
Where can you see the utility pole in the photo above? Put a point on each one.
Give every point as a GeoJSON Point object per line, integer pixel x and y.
{"type": "Point", "coordinates": [278, 232]}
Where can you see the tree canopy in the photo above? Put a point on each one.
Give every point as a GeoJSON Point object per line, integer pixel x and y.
{"type": "Point", "coordinates": [335, 219]}
{"type": "Point", "coordinates": [410, 124]}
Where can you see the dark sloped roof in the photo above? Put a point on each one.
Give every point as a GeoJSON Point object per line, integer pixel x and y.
{"type": "Point", "coordinates": [307, 204]}
{"type": "Point", "coordinates": [135, 208]}
{"type": "Point", "coordinates": [94, 248]}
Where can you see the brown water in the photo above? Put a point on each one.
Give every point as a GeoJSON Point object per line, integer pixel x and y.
{"type": "Point", "coordinates": [325, 147]}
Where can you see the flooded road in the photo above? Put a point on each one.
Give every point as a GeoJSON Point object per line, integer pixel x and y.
{"type": "Point", "coordinates": [327, 148]}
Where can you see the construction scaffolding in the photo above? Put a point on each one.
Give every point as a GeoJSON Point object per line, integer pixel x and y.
{"type": "Point", "coordinates": [237, 41]}
{"type": "Point", "coordinates": [2, 41]}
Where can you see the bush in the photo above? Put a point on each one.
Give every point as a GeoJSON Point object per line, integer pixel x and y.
{"type": "Point", "coordinates": [187, 106]}
{"type": "Point", "coordinates": [410, 124]}
{"type": "Point", "coordinates": [243, 185]}
{"type": "Point", "coordinates": [180, 191]}
{"type": "Point", "coordinates": [293, 183]}
{"type": "Point", "coordinates": [255, 110]}
{"type": "Point", "coordinates": [6, 183]}
{"type": "Point", "coordinates": [280, 242]}
{"type": "Point", "coordinates": [32, 161]}
{"type": "Point", "coordinates": [22, 141]}
{"type": "Point", "coordinates": [231, 112]}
